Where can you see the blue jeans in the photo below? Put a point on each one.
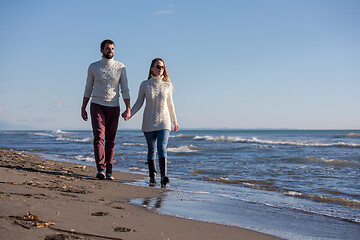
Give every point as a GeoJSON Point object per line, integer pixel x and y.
{"type": "Point", "coordinates": [159, 138]}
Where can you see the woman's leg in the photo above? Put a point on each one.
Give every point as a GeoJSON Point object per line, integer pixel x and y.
{"type": "Point", "coordinates": [151, 156]}
{"type": "Point", "coordinates": [162, 141]}
{"type": "Point", "coordinates": [151, 143]}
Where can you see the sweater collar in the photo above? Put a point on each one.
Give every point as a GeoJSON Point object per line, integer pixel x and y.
{"type": "Point", "coordinates": [157, 78]}
{"type": "Point", "coordinates": [107, 62]}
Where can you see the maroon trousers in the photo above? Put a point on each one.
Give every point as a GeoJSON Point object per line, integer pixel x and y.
{"type": "Point", "coordinates": [104, 122]}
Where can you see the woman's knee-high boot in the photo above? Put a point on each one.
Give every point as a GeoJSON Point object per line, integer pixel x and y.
{"type": "Point", "coordinates": [163, 171]}
{"type": "Point", "coordinates": [152, 170]}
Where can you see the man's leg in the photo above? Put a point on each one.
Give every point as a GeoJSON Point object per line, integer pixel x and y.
{"type": "Point", "coordinates": [98, 125]}
{"type": "Point", "coordinates": [112, 120]}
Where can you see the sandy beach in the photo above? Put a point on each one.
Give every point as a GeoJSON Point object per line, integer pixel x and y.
{"type": "Point", "coordinates": [46, 199]}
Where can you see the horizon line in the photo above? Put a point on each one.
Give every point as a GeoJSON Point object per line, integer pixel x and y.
{"type": "Point", "coordinates": [192, 129]}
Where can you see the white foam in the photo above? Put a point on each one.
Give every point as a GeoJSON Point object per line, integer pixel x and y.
{"type": "Point", "coordinates": [182, 149]}
{"type": "Point", "coordinates": [134, 144]}
{"type": "Point", "coordinates": [326, 161]}
{"type": "Point", "coordinates": [44, 134]}
{"type": "Point", "coordinates": [337, 162]}
{"type": "Point", "coordinates": [293, 193]}
{"type": "Point", "coordinates": [58, 131]}
{"type": "Point", "coordinates": [85, 140]}
{"type": "Point", "coordinates": [84, 158]}
{"type": "Point", "coordinates": [138, 169]}
{"type": "Point", "coordinates": [218, 138]}
{"type": "Point", "coordinates": [139, 153]}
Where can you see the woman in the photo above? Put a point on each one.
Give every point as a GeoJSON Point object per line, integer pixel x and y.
{"type": "Point", "coordinates": [158, 114]}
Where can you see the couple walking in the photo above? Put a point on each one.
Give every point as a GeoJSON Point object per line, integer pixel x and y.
{"type": "Point", "coordinates": [105, 80]}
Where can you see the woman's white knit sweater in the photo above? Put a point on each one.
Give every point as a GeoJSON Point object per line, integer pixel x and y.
{"type": "Point", "coordinates": [103, 81]}
{"type": "Point", "coordinates": [159, 109]}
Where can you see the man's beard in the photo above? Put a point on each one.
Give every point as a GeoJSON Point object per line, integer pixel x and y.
{"type": "Point", "coordinates": [108, 55]}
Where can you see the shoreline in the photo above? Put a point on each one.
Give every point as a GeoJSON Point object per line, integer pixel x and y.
{"type": "Point", "coordinates": [81, 207]}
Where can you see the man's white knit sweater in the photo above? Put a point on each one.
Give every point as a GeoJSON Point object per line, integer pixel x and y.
{"type": "Point", "coordinates": [103, 81]}
{"type": "Point", "coordinates": [159, 109]}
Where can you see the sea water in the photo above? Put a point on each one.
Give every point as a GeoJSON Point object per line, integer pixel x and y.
{"type": "Point", "coordinates": [295, 184]}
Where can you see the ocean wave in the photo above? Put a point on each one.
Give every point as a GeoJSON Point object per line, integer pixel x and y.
{"type": "Point", "coordinates": [196, 172]}
{"type": "Point", "coordinates": [60, 135]}
{"type": "Point", "coordinates": [181, 136]}
{"type": "Point", "coordinates": [44, 134]}
{"type": "Point", "coordinates": [58, 131]}
{"type": "Point", "coordinates": [183, 149]}
{"type": "Point", "coordinates": [83, 140]}
{"type": "Point", "coordinates": [199, 171]}
{"type": "Point", "coordinates": [348, 135]}
{"type": "Point", "coordinates": [344, 145]}
{"type": "Point", "coordinates": [134, 144]}
{"type": "Point", "coordinates": [325, 199]}
{"type": "Point", "coordinates": [138, 169]}
{"type": "Point", "coordinates": [312, 159]}
{"type": "Point", "coordinates": [273, 142]}
{"type": "Point", "coordinates": [267, 186]}
{"type": "Point", "coordinates": [218, 138]}
{"type": "Point", "coordinates": [130, 153]}
{"type": "Point", "coordinates": [84, 158]}
{"type": "Point", "coordinates": [54, 133]}
{"type": "Point", "coordinates": [251, 183]}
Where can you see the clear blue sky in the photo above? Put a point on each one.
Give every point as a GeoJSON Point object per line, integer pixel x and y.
{"type": "Point", "coordinates": [234, 64]}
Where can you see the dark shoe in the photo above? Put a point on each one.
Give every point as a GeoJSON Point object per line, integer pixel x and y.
{"type": "Point", "coordinates": [109, 176]}
{"type": "Point", "coordinates": [164, 181]}
{"type": "Point", "coordinates": [100, 175]}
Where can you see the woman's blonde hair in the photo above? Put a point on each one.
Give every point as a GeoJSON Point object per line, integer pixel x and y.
{"type": "Point", "coordinates": [165, 74]}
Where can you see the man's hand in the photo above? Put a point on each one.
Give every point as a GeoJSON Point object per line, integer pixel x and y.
{"type": "Point", "coordinates": [84, 114]}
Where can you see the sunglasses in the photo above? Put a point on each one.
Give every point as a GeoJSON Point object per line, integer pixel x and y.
{"type": "Point", "coordinates": [160, 67]}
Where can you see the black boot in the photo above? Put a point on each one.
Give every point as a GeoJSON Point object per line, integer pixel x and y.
{"type": "Point", "coordinates": [163, 171]}
{"type": "Point", "coordinates": [152, 170]}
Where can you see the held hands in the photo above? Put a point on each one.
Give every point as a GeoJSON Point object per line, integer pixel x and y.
{"type": "Point", "coordinates": [126, 114]}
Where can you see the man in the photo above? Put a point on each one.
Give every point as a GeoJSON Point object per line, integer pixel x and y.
{"type": "Point", "coordinates": [104, 80]}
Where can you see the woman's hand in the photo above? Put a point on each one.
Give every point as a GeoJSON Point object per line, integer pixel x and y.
{"type": "Point", "coordinates": [176, 126]}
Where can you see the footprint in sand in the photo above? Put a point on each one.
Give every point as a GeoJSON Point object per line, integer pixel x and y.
{"type": "Point", "coordinates": [100, 214]}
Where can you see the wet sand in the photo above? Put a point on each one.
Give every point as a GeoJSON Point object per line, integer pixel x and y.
{"type": "Point", "coordinates": [46, 199]}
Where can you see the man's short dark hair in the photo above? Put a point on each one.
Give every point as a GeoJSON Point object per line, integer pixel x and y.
{"type": "Point", "coordinates": [107, 41]}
